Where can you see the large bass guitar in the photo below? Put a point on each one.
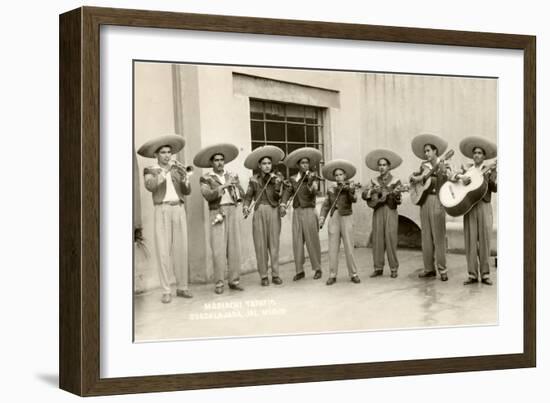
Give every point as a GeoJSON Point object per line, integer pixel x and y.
{"type": "Point", "coordinates": [458, 198]}
{"type": "Point", "coordinates": [419, 191]}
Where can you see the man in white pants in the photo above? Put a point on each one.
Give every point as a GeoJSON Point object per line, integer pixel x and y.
{"type": "Point", "coordinates": [169, 183]}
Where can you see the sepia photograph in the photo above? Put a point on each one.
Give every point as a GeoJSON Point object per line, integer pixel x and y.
{"type": "Point", "coordinates": [285, 201]}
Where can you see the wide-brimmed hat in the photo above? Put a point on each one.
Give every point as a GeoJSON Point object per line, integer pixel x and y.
{"type": "Point", "coordinates": [331, 166]}
{"type": "Point", "coordinates": [204, 156]}
{"type": "Point", "coordinates": [312, 154]}
{"type": "Point", "coordinates": [420, 141]}
{"type": "Point", "coordinates": [274, 153]}
{"type": "Point", "coordinates": [374, 156]}
{"type": "Point", "coordinates": [469, 143]}
{"type": "Point", "coordinates": [174, 141]}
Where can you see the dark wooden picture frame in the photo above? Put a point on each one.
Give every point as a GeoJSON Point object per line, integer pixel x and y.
{"type": "Point", "coordinates": [79, 347]}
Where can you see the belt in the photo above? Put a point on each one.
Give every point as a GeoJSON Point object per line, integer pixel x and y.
{"type": "Point", "coordinates": [172, 203]}
{"type": "Point", "coordinates": [227, 204]}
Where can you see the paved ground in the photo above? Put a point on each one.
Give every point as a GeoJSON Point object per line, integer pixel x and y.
{"type": "Point", "coordinates": [309, 306]}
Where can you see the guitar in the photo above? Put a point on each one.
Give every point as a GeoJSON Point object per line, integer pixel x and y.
{"type": "Point", "coordinates": [419, 190]}
{"type": "Point", "coordinates": [381, 194]}
{"type": "Point", "coordinates": [457, 198]}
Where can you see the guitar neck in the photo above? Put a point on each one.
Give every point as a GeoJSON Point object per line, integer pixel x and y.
{"type": "Point", "coordinates": [488, 169]}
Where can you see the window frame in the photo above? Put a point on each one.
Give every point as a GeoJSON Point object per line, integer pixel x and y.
{"type": "Point", "coordinates": [321, 118]}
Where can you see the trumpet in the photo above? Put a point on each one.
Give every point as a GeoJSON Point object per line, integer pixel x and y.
{"type": "Point", "coordinates": [188, 169]}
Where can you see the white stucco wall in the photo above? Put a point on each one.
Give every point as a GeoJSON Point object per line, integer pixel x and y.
{"type": "Point", "coordinates": [153, 116]}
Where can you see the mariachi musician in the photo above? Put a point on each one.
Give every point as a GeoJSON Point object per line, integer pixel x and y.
{"type": "Point", "coordinates": [222, 190]}
{"type": "Point", "coordinates": [478, 221]}
{"type": "Point", "coordinates": [168, 182]}
{"type": "Point", "coordinates": [383, 196]}
{"type": "Point", "coordinates": [263, 197]}
{"type": "Point", "coordinates": [301, 191]}
{"type": "Point", "coordinates": [338, 205]}
{"type": "Point", "coordinates": [429, 148]}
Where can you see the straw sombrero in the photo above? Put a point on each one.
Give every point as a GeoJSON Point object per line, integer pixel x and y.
{"type": "Point", "coordinates": [374, 156]}
{"type": "Point", "coordinates": [469, 143]}
{"type": "Point", "coordinates": [273, 152]}
{"type": "Point", "coordinates": [175, 141]}
{"type": "Point", "coordinates": [312, 154]}
{"type": "Point", "coordinates": [204, 156]}
{"type": "Point", "coordinates": [331, 166]}
{"type": "Point", "coordinates": [421, 140]}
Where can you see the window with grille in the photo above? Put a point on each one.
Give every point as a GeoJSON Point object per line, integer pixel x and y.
{"type": "Point", "coordinates": [287, 126]}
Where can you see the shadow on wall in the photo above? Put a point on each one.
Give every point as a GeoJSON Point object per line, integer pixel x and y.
{"type": "Point", "coordinates": [408, 234]}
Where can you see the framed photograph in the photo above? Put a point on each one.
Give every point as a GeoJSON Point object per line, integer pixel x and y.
{"type": "Point", "coordinates": [216, 171]}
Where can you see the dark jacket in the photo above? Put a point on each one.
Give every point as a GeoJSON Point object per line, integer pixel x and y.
{"type": "Point", "coordinates": [272, 193]}
{"type": "Point", "coordinates": [343, 205]}
{"type": "Point", "coordinates": [156, 184]}
{"type": "Point", "coordinates": [212, 192]}
{"type": "Point", "coordinates": [307, 194]}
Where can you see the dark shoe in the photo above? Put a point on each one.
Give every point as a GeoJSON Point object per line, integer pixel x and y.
{"type": "Point", "coordinates": [318, 274]}
{"type": "Point", "coordinates": [235, 287]}
{"type": "Point", "coordinates": [470, 281]}
{"type": "Point", "coordinates": [264, 282]}
{"type": "Point", "coordinates": [355, 279]}
{"type": "Point", "coordinates": [393, 274]}
{"type": "Point", "coordinates": [426, 274]}
{"type": "Point", "coordinates": [219, 288]}
{"type": "Point", "coordinates": [166, 298]}
{"type": "Point", "coordinates": [486, 281]}
{"type": "Point", "coordinates": [184, 294]}
{"type": "Point", "coordinates": [276, 280]}
{"type": "Point", "coordinates": [376, 273]}
{"type": "Point", "coordinates": [299, 276]}
{"type": "Point", "coordinates": [331, 280]}
{"type": "Point", "coordinates": [444, 277]}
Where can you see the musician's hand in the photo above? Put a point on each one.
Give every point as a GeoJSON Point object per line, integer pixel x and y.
{"type": "Point", "coordinates": [321, 221]}
{"type": "Point", "coordinates": [182, 172]}
{"type": "Point", "coordinates": [414, 180]}
{"type": "Point", "coordinates": [466, 180]}
{"type": "Point", "coordinates": [282, 211]}
{"type": "Point", "coordinates": [313, 176]}
{"type": "Point", "coordinates": [246, 211]}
